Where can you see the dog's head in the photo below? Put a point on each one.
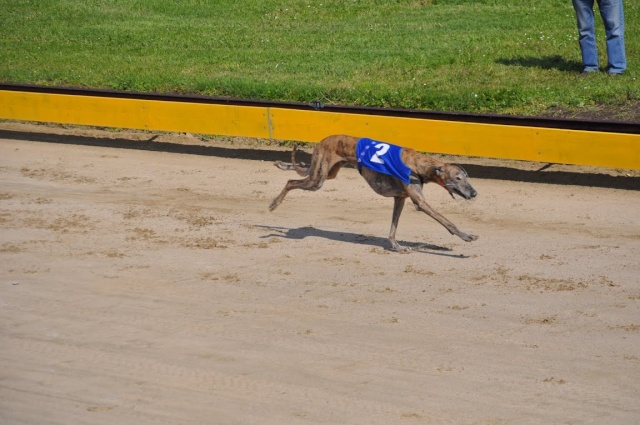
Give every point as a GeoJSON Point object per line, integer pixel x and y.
{"type": "Point", "coordinates": [454, 178]}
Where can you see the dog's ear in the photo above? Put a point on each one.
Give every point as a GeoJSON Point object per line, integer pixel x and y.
{"type": "Point", "coordinates": [439, 171]}
{"type": "Point", "coordinates": [462, 169]}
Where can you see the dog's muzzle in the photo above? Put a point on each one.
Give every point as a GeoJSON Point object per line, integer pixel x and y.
{"type": "Point", "coordinates": [472, 193]}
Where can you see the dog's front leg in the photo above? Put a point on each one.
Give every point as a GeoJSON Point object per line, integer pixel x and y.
{"type": "Point", "coordinates": [418, 199]}
{"type": "Point", "coordinates": [467, 237]}
{"type": "Point", "coordinates": [398, 205]}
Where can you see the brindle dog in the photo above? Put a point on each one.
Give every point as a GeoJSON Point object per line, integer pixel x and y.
{"type": "Point", "coordinates": [336, 151]}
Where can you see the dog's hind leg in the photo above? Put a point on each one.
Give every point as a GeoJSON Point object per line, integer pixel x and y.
{"type": "Point", "coordinates": [325, 164]}
{"type": "Point", "coordinates": [304, 184]}
{"type": "Point", "coordinates": [318, 172]}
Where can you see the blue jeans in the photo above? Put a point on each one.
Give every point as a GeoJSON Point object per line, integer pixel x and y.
{"type": "Point", "coordinates": [613, 19]}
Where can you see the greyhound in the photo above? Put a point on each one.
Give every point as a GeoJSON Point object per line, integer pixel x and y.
{"type": "Point", "coordinates": [335, 151]}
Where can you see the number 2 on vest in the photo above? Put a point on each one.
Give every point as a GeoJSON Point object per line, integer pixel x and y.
{"type": "Point", "coordinates": [381, 148]}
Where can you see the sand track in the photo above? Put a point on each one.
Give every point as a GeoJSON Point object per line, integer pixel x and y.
{"type": "Point", "coordinates": [154, 287]}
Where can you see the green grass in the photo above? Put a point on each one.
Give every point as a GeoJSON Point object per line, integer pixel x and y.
{"type": "Point", "coordinates": [505, 56]}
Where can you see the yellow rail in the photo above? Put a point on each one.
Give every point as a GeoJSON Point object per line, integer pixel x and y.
{"type": "Point", "coordinates": [614, 150]}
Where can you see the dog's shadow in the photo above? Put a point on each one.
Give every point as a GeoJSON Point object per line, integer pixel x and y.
{"type": "Point", "coordinates": [378, 242]}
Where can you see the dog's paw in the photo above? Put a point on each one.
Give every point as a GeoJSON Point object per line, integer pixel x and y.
{"type": "Point", "coordinates": [401, 248]}
{"type": "Point", "coordinates": [467, 237]}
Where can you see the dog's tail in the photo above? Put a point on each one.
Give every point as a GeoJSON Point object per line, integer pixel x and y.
{"type": "Point", "coordinates": [301, 168]}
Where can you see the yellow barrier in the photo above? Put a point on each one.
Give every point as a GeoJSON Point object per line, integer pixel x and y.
{"type": "Point", "coordinates": [547, 145]}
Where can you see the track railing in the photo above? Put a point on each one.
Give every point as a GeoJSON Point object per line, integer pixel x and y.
{"type": "Point", "coordinates": [604, 144]}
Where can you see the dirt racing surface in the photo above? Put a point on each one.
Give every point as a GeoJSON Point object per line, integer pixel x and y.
{"type": "Point", "coordinates": [152, 286]}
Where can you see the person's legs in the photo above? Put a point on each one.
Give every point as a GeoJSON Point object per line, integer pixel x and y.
{"type": "Point", "coordinates": [613, 18]}
{"type": "Point", "coordinates": [586, 34]}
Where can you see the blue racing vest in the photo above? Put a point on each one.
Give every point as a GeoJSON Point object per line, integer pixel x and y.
{"type": "Point", "coordinates": [383, 158]}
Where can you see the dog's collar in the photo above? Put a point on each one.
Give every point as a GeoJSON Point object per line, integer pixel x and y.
{"type": "Point", "coordinates": [415, 178]}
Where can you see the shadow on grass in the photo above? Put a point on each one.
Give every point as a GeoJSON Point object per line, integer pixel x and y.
{"type": "Point", "coordinates": [546, 62]}
{"type": "Point", "coordinates": [378, 242]}
{"type": "Point", "coordinates": [475, 171]}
